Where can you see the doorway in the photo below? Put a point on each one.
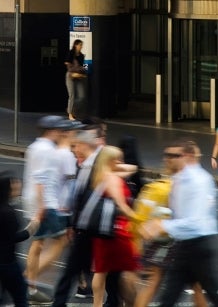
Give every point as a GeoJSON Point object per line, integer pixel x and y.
{"type": "Point", "coordinates": [194, 63]}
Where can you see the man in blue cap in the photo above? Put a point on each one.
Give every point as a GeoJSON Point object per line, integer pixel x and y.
{"type": "Point", "coordinates": [40, 194]}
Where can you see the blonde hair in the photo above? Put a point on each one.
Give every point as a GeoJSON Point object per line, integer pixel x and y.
{"type": "Point", "coordinates": [103, 163]}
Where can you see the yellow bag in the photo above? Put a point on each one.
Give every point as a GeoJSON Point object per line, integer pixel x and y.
{"type": "Point", "coordinates": [151, 202]}
{"type": "Point", "coordinates": [77, 75]}
{"type": "Point", "coordinates": [152, 196]}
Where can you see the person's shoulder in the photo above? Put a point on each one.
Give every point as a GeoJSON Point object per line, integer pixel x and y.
{"type": "Point", "coordinates": [65, 153]}
{"type": "Point", "coordinates": [200, 174]}
{"type": "Point", "coordinates": [41, 148]}
{"type": "Point", "coordinates": [113, 179]}
{"type": "Point", "coordinates": [206, 174]}
{"type": "Point", "coordinates": [33, 144]}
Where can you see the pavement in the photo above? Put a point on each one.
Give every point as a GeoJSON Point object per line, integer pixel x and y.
{"type": "Point", "coordinates": [151, 138]}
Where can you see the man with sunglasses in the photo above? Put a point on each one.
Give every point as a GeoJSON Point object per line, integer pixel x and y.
{"type": "Point", "coordinates": [194, 224]}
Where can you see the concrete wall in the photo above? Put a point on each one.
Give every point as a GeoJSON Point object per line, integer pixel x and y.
{"type": "Point", "coordinates": [194, 9]}
{"type": "Point", "coordinates": [93, 7]}
{"type": "Point", "coordinates": [7, 6]}
{"type": "Point", "coordinates": [84, 7]}
{"type": "Point", "coordinates": [35, 6]}
{"type": "Point", "coordinates": [100, 7]}
{"type": "Point", "coordinates": [44, 6]}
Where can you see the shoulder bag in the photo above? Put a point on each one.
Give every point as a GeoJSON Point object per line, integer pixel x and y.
{"type": "Point", "coordinates": [98, 215]}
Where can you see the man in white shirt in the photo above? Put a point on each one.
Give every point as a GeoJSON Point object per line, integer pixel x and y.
{"type": "Point", "coordinates": [40, 194]}
{"type": "Point", "coordinates": [193, 226]}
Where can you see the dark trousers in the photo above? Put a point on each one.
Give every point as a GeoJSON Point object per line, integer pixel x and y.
{"type": "Point", "coordinates": [112, 289]}
{"type": "Point", "coordinates": [196, 260]}
{"type": "Point", "coordinates": [79, 259]}
{"type": "Point", "coordinates": [12, 280]}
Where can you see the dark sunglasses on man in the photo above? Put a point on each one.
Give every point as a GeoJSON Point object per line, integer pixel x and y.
{"type": "Point", "coordinates": [170, 155]}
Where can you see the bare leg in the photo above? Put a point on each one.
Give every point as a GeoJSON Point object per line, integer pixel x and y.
{"type": "Point", "coordinates": [52, 253]}
{"type": "Point", "coordinates": [33, 261]}
{"type": "Point", "coordinates": [199, 297]}
{"type": "Point", "coordinates": [146, 294]}
{"type": "Point", "coordinates": [82, 281]}
{"type": "Point", "coordinates": [98, 287]}
{"type": "Point", "coordinates": [128, 283]}
{"type": "Point", "coordinates": [71, 116]}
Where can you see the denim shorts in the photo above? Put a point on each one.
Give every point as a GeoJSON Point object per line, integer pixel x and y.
{"type": "Point", "coordinates": [53, 225]}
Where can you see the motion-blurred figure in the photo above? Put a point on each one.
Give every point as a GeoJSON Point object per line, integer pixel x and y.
{"type": "Point", "coordinates": [129, 146]}
{"type": "Point", "coordinates": [67, 161]}
{"type": "Point", "coordinates": [193, 226]}
{"type": "Point", "coordinates": [11, 275]}
{"type": "Point", "coordinates": [40, 194]}
{"type": "Point", "coordinates": [158, 254]}
{"type": "Point", "coordinates": [115, 254]}
{"type": "Point", "coordinates": [80, 253]}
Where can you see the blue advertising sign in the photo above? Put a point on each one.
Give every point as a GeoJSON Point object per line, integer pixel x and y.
{"type": "Point", "coordinates": [80, 23]}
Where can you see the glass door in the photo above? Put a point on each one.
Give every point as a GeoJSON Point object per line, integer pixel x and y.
{"type": "Point", "coordinates": [195, 62]}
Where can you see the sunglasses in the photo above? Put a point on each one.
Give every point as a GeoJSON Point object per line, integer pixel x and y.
{"type": "Point", "coordinates": [170, 155]}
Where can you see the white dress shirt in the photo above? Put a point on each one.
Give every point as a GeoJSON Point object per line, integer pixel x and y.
{"type": "Point", "coordinates": [193, 202]}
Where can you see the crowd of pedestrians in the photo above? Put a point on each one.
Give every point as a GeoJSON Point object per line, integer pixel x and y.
{"type": "Point", "coordinates": [69, 160]}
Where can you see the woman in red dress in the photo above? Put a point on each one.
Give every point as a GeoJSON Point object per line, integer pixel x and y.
{"type": "Point", "coordinates": [118, 253]}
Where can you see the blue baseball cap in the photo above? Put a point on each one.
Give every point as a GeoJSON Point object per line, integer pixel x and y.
{"type": "Point", "coordinates": [67, 125]}
{"type": "Point", "coordinates": [50, 122]}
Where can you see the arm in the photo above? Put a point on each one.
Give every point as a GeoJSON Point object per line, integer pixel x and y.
{"type": "Point", "coordinates": [114, 190]}
{"type": "Point", "coordinates": [74, 67]}
{"type": "Point", "coordinates": [28, 231]}
{"type": "Point", "coordinates": [125, 170]}
{"type": "Point", "coordinates": [194, 213]}
{"type": "Point", "coordinates": [40, 202]}
{"type": "Point", "coordinates": [214, 153]}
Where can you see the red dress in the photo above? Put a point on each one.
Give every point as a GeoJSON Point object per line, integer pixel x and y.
{"type": "Point", "coordinates": [117, 253]}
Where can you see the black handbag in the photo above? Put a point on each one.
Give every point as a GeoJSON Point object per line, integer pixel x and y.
{"type": "Point", "coordinates": [97, 216]}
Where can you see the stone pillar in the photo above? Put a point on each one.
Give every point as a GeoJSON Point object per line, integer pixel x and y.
{"type": "Point", "coordinates": [194, 9]}
{"type": "Point", "coordinates": [102, 81]}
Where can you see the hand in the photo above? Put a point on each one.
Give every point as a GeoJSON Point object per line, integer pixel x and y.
{"type": "Point", "coordinates": [16, 187]}
{"type": "Point", "coordinates": [136, 218]}
{"type": "Point", "coordinates": [70, 233]}
{"type": "Point", "coordinates": [40, 214]}
{"type": "Point", "coordinates": [33, 226]}
{"type": "Point", "coordinates": [213, 163]}
{"type": "Point", "coordinates": [151, 229]}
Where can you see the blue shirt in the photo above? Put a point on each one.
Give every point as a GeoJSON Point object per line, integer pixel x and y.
{"type": "Point", "coordinates": [193, 202]}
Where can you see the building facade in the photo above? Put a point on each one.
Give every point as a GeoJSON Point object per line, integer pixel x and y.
{"type": "Point", "coordinates": [132, 42]}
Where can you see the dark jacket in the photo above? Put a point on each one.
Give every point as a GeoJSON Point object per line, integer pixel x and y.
{"type": "Point", "coordinates": [9, 225]}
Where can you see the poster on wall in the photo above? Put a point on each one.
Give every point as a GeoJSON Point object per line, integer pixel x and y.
{"type": "Point", "coordinates": [80, 28]}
